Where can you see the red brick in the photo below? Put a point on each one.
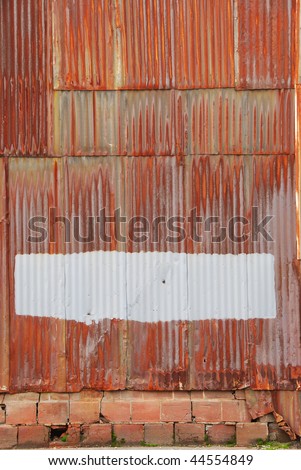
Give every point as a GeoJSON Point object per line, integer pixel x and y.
{"type": "Point", "coordinates": [33, 436]}
{"type": "Point", "coordinates": [221, 433]}
{"type": "Point", "coordinates": [84, 412]}
{"type": "Point", "coordinates": [2, 414]}
{"type": "Point", "coordinates": [8, 436]}
{"type": "Point", "coordinates": [249, 433]}
{"type": "Point", "coordinates": [97, 434]}
{"type": "Point", "coordinates": [158, 395]}
{"type": "Point", "coordinates": [207, 411]}
{"type": "Point", "coordinates": [116, 412]}
{"type": "Point", "coordinates": [160, 434]}
{"type": "Point", "coordinates": [218, 395]}
{"type": "Point", "coordinates": [189, 433]}
{"type": "Point", "coordinates": [181, 395]}
{"type": "Point", "coordinates": [176, 411]}
{"type": "Point", "coordinates": [28, 396]}
{"type": "Point", "coordinates": [129, 433]}
{"type": "Point", "coordinates": [53, 412]}
{"type": "Point", "coordinates": [130, 395]}
{"type": "Point", "coordinates": [146, 411]}
{"type": "Point", "coordinates": [196, 395]}
{"type": "Point", "coordinates": [235, 410]}
{"type": "Point", "coordinates": [54, 397]}
{"type": "Point", "coordinates": [111, 396]}
{"type": "Point", "coordinates": [21, 412]}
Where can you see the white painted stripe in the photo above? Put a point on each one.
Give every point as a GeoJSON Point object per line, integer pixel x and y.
{"type": "Point", "coordinates": [146, 287]}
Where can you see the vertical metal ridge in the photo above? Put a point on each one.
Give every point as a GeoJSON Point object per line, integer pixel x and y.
{"type": "Point", "coordinates": [23, 78]}
{"type": "Point", "coordinates": [265, 31]}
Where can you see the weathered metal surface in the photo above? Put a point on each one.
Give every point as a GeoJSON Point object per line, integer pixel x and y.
{"type": "Point", "coordinates": [204, 43]}
{"type": "Point", "coordinates": [185, 352]}
{"type": "Point", "coordinates": [96, 353]}
{"type": "Point", "coordinates": [37, 345]}
{"type": "Point", "coordinates": [288, 404]}
{"type": "Point", "coordinates": [231, 187]}
{"type": "Point", "coordinates": [298, 168]}
{"type": "Point", "coordinates": [114, 123]}
{"type": "Point", "coordinates": [4, 291]}
{"type": "Point", "coordinates": [125, 44]}
{"type": "Point", "coordinates": [233, 122]}
{"type": "Point", "coordinates": [264, 43]}
{"type": "Point", "coordinates": [23, 77]}
{"type": "Point", "coordinates": [165, 122]}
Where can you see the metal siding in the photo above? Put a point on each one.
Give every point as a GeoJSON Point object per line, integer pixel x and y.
{"type": "Point", "coordinates": [204, 43]}
{"type": "Point", "coordinates": [4, 295]}
{"type": "Point", "coordinates": [165, 122]}
{"type": "Point", "coordinates": [276, 351]}
{"type": "Point", "coordinates": [37, 345]}
{"type": "Point", "coordinates": [96, 353]}
{"type": "Point", "coordinates": [23, 77]}
{"type": "Point", "coordinates": [264, 43]}
{"type": "Point", "coordinates": [125, 44]}
{"type": "Point", "coordinates": [158, 353]}
{"type": "Point", "coordinates": [234, 122]}
{"type": "Point", "coordinates": [136, 123]}
{"type": "Point", "coordinates": [298, 168]}
{"type": "Point", "coordinates": [256, 352]}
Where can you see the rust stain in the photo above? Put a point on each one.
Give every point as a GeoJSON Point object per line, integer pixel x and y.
{"type": "Point", "coordinates": [265, 44]}
{"type": "Point", "coordinates": [23, 77]}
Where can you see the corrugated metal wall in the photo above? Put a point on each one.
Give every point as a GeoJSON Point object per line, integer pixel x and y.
{"type": "Point", "coordinates": [157, 108]}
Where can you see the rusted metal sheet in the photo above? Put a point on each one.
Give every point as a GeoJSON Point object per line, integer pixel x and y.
{"type": "Point", "coordinates": [160, 357]}
{"type": "Point", "coordinates": [135, 123]}
{"type": "Point", "coordinates": [4, 295]}
{"type": "Point", "coordinates": [234, 122]}
{"type": "Point", "coordinates": [37, 346]}
{"type": "Point", "coordinates": [275, 358]}
{"type": "Point", "coordinates": [204, 43]}
{"type": "Point", "coordinates": [96, 352]}
{"type": "Point", "coordinates": [125, 44]}
{"type": "Point", "coordinates": [165, 122]}
{"type": "Point", "coordinates": [229, 187]}
{"type": "Point", "coordinates": [148, 330]}
{"type": "Point", "coordinates": [298, 169]}
{"type": "Point", "coordinates": [288, 404]}
{"type": "Point", "coordinates": [264, 43]}
{"type": "Point", "coordinates": [23, 77]}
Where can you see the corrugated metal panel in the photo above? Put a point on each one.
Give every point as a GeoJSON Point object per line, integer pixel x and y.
{"type": "Point", "coordinates": [100, 45]}
{"type": "Point", "coordinates": [204, 43]}
{"type": "Point", "coordinates": [158, 353]}
{"type": "Point", "coordinates": [227, 187]}
{"type": "Point", "coordinates": [234, 122]}
{"type": "Point", "coordinates": [171, 348]}
{"type": "Point", "coordinates": [37, 346]}
{"type": "Point", "coordinates": [4, 294]}
{"type": "Point", "coordinates": [288, 404]}
{"type": "Point", "coordinates": [127, 44]}
{"type": "Point", "coordinates": [298, 168]}
{"type": "Point", "coordinates": [146, 46]}
{"type": "Point", "coordinates": [23, 77]}
{"type": "Point", "coordinates": [264, 43]}
{"type": "Point", "coordinates": [276, 351]}
{"type": "Point", "coordinates": [114, 123]}
{"type": "Point", "coordinates": [167, 122]}
{"type": "Point", "coordinates": [96, 353]}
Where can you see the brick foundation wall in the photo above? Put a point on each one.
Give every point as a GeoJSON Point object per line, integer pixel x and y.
{"type": "Point", "coordinates": [127, 417]}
